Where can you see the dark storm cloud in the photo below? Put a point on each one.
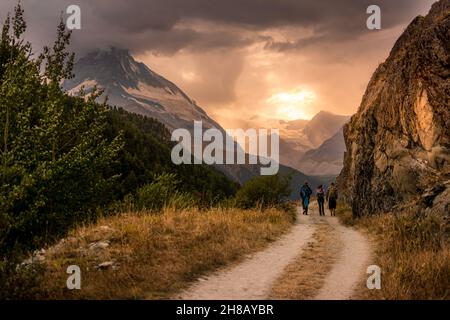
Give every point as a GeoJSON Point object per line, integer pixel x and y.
{"type": "Point", "coordinates": [213, 50]}
{"type": "Point", "coordinates": [139, 15]}
{"type": "Point", "coordinates": [330, 20]}
{"type": "Point", "coordinates": [154, 25]}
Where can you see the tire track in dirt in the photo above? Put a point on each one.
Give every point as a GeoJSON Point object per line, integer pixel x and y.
{"type": "Point", "coordinates": [254, 277]}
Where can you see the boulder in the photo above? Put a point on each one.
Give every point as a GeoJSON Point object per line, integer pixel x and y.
{"type": "Point", "coordinates": [99, 245]}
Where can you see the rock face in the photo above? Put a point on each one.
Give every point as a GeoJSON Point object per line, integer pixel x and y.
{"type": "Point", "coordinates": [398, 143]}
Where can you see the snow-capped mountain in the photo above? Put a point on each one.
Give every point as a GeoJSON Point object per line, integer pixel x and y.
{"type": "Point", "coordinates": [134, 87]}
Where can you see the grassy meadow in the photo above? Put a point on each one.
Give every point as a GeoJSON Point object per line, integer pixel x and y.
{"type": "Point", "coordinates": [154, 256]}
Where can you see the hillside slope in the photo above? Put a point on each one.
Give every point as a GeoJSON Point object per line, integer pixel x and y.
{"type": "Point", "coordinates": [299, 137]}
{"type": "Point", "coordinates": [146, 154]}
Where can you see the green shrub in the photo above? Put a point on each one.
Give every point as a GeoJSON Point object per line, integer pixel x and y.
{"type": "Point", "coordinates": [20, 282]}
{"type": "Point", "coordinates": [263, 191]}
{"type": "Point", "coordinates": [163, 192]}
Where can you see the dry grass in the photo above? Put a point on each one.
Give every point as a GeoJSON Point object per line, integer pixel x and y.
{"type": "Point", "coordinates": [155, 256]}
{"type": "Point", "coordinates": [303, 278]}
{"type": "Point", "coordinates": [413, 254]}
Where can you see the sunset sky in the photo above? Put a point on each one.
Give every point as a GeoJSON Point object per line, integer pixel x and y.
{"type": "Point", "coordinates": [246, 60]}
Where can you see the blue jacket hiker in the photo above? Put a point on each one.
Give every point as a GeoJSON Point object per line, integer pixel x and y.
{"type": "Point", "coordinates": [305, 195]}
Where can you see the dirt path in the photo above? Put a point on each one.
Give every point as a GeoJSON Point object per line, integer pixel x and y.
{"type": "Point", "coordinates": [350, 268]}
{"type": "Point", "coordinates": [254, 277]}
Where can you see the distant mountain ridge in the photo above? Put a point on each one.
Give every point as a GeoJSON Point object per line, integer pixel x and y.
{"type": "Point", "coordinates": [323, 126]}
{"type": "Point", "coordinates": [315, 147]}
{"type": "Point", "coordinates": [328, 159]}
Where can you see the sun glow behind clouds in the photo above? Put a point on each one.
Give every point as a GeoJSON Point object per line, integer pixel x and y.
{"type": "Point", "coordinates": [292, 105]}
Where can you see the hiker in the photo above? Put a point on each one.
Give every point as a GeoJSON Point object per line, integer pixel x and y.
{"type": "Point", "coordinates": [332, 196]}
{"type": "Point", "coordinates": [305, 194]}
{"type": "Point", "coordinates": [320, 192]}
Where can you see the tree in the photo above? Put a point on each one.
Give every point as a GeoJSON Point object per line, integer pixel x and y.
{"type": "Point", "coordinates": [263, 191]}
{"type": "Point", "coordinates": [54, 154]}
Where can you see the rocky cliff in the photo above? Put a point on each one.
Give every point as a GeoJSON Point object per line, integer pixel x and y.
{"type": "Point", "coordinates": [398, 143]}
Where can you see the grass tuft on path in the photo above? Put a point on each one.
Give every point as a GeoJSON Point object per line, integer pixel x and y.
{"type": "Point", "coordinates": [303, 278]}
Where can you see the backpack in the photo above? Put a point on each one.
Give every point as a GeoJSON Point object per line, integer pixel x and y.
{"type": "Point", "coordinates": [332, 193]}
{"type": "Point", "coordinates": [302, 193]}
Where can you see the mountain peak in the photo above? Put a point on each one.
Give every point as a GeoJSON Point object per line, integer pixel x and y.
{"type": "Point", "coordinates": [324, 125]}
{"type": "Point", "coordinates": [323, 112]}
{"type": "Point", "coordinates": [120, 51]}
{"type": "Point", "coordinates": [115, 51]}
{"type": "Point", "coordinates": [111, 53]}
{"type": "Point", "coordinates": [133, 86]}
{"type": "Point", "coordinates": [116, 68]}
{"type": "Point", "coordinates": [326, 116]}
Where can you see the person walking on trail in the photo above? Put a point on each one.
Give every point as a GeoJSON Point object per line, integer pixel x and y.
{"type": "Point", "coordinates": [332, 196]}
{"type": "Point", "coordinates": [320, 192]}
{"type": "Point", "coordinates": [305, 195]}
